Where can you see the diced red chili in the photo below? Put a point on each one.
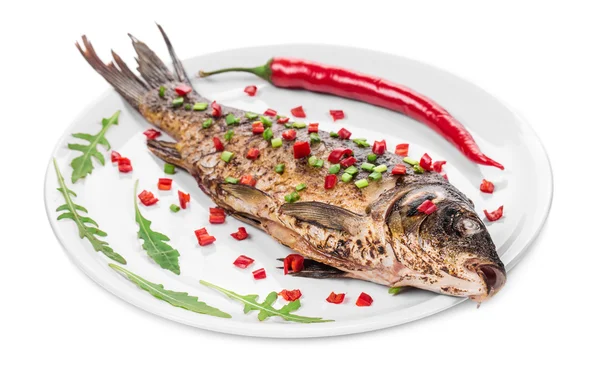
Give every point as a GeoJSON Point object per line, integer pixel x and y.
{"type": "Point", "coordinates": [151, 134]}
{"type": "Point", "coordinates": [330, 181]}
{"type": "Point", "coordinates": [364, 300]}
{"type": "Point", "coordinates": [184, 199]}
{"type": "Point", "coordinates": [124, 161]}
{"type": "Point", "coordinates": [336, 298]}
{"type": "Point", "coordinates": [201, 231]}
{"type": "Point", "coordinates": [445, 176]}
{"type": "Point", "coordinates": [348, 162]}
{"type": "Point", "coordinates": [298, 112]}
{"type": "Point", "coordinates": [283, 120]}
{"type": "Point", "coordinates": [344, 134]}
{"type": "Point", "coordinates": [164, 184]}
{"type": "Point", "coordinates": [216, 219]}
{"type": "Point", "coordinates": [241, 234]}
{"type": "Point", "coordinates": [399, 170]}
{"type": "Point", "coordinates": [253, 153]}
{"type": "Point", "coordinates": [495, 215]}
{"type": "Point", "coordinates": [243, 262]}
{"type": "Point", "coordinates": [270, 112]}
{"type": "Point", "coordinates": [216, 109]}
{"type": "Point", "coordinates": [379, 147]}
{"type": "Point", "coordinates": [260, 273]}
{"type": "Point", "coordinates": [313, 127]}
{"type": "Point", "coordinates": [427, 207]}
{"type": "Point", "coordinates": [438, 166]}
{"type": "Point", "coordinates": [486, 186]}
{"type": "Point", "coordinates": [147, 198]}
{"type": "Point", "coordinates": [114, 156]}
{"type": "Point", "coordinates": [125, 168]}
{"type": "Point", "coordinates": [290, 295]}
{"type": "Point", "coordinates": [216, 211]}
{"type": "Point", "coordinates": [258, 127]}
{"type": "Point", "coordinates": [289, 135]}
{"type": "Point", "coordinates": [336, 155]}
{"type": "Point", "coordinates": [301, 149]}
{"type": "Point", "coordinates": [337, 115]}
{"type": "Point", "coordinates": [183, 90]}
{"type": "Point", "coordinates": [402, 150]}
{"type": "Point", "coordinates": [248, 180]}
{"type": "Point", "coordinates": [426, 162]}
{"type": "Point", "coordinates": [218, 144]}
{"type": "Point", "coordinates": [250, 90]}
{"type": "Point", "coordinates": [293, 263]}
{"type": "Point", "coordinates": [206, 240]}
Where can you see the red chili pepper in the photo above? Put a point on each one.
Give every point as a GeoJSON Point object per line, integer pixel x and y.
{"type": "Point", "coordinates": [289, 135]}
{"type": "Point", "coordinates": [399, 170]}
{"type": "Point", "coordinates": [313, 127]}
{"type": "Point", "coordinates": [344, 134]}
{"type": "Point", "coordinates": [220, 211]}
{"type": "Point", "coordinates": [364, 300]}
{"type": "Point", "coordinates": [427, 207]}
{"type": "Point", "coordinates": [248, 180]}
{"type": "Point", "coordinates": [290, 295]}
{"type": "Point", "coordinates": [114, 156]}
{"type": "Point", "coordinates": [445, 176]}
{"type": "Point", "coordinates": [217, 215]}
{"type": "Point", "coordinates": [426, 162]}
{"type": "Point", "coordinates": [270, 112]}
{"type": "Point", "coordinates": [438, 165]}
{"type": "Point", "coordinates": [184, 199]}
{"type": "Point", "coordinates": [301, 149]}
{"type": "Point", "coordinates": [495, 215]}
{"type": "Point", "coordinates": [241, 234]}
{"type": "Point", "coordinates": [250, 90]}
{"type": "Point", "coordinates": [124, 161]}
{"type": "Point", "coordinates": [298, 112]}
{"type": "Point", "coordinates": [486, 186]}
{"type": "Point", "coordinates": [243, 262]}
{"type": "Point", "coordinates": [336, 114]}
{"type": "Point", "coordinates": [379, 147]}
{"type": "Point", "coordinates": [258, 127]}
{"type": "Point", "coordinates": [147, 198]}
{"type": "Point", "coordinates": [283, 120]}
{"type": "Point", "coordinates": [348, 162]}
{"type": "Point", "coordinates": [402, 150]}
{"type": "Point", "coordinates": [336, 298]}
{"type": "Point", "coordinates": [151, 134]}
{"type": "Point", "coordinates": [216, 109]}
{"type": "Point", "coordinates": [330, 181]}
{"type": "Point", "coordinates": [203, 237]}
{"type": "Point", "coordinates": [302, 74]}
{"type": "Point", "coordinates": [183, 89]}
{"type": "Point", "coordinates": [336, 155]}
{"type": "Point", "coordinates": [253, 153]}
{"type": "Point", "coordinates": [125, 168]}
{"type": "Point", "coordinates": [293, 263]}
{"type": "Point", "coordinates": [164, 184]}
{"type": "Point", "coordinates": [218, 144]}
{"type": "Point", "coordinates": [201, 231]}
{"type": "Point", "coordinates": [260, 273]}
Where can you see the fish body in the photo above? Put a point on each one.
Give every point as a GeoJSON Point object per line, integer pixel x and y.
{"type": "Point", "coordinates": [375, 234]}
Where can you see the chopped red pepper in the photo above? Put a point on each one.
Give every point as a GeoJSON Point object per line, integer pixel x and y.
{"type": "Point", "coordinates": [427, 207]}
{"type": "Point", "coordinates": [253, 153]}
{"type": "Point", "coordinates": [337, 115]}
{"type": "Point", "coordinates": [260, 273]}
{"type": "Point", "coordinates": [183, 90]}
{"type": "Point", "coordinates": [379, 147]}
{"type": "Point", "coordinates": [298, 112]}
{"type": "Point", "coordinates": [164, 184]}
{"type": "Point", "coordinates": [241, 234]}
{"type": "Point", "coordinates": [250, 90]}
{"type": "Point", "coordinates": [344, 134]}
{"type": "Point", "coordinates": [426, 162]}
{"type": "Point", "coordinates": [301, 149]}
{"type": "Point", "coordinates": [289, 135]}
{"type": "Point", "coordinates": [283, 120]}
{"type": "Point", "coordinates": [184, 199]}
{"type": "Point", "coordinates": [147, 198]}
{"type": "Point", "coordinates": [293, 263]}
{"type": "Point", "coordinates": [399, 170]}
{"type": "Point", "coordinates": [445, 176]}
{"type": "Point", "coordinates": [348, 162]}
{"type": "Point", "coordinates": [151, 134]}
{"type": "Point", "coordinates": [216, 109]}
{"type": "Point", "coordinates": [243, 262]}
{"type": "Point", "coordinates": [402, 150]}
{"type": "Point", "coordinates": [218, 144]}
{"type": "Point", "coordinates": [364, 300]}
{"type": "Point", "coordinates": [114, 156]}
{"type": "Point", "coordinates": [495, 215]}
{"type": "Point", "coordinates": [336, 155]}
{"type": "Point", "coordinates": [125, 168]}
{"type": "Point", "coordinates": [486, 186]}
{"type": "Point", "coordinates": [248, 180]}
{"type": "Point", "coordinates": [201, 231]}
{"type": "Point", "coordinates": [313, 127]}
{"type": "Point", "coordinates": [270, 112]}
{"type": "Point", "coordinates": [438, 165]}
{"type": "Point", "coordinates": [258, 127]}
{"type": "Point", "coordinates": [203, 237]}
{"type": "Point", "coordinates": [217, 216]}
{"type": "Point", "coordinates": [290, 295]}
{"type": "Point", "coordinates": [336, 298]}
{"type": "Point", "coordinates": [330, 181]}
{"type": "Point", "coordinates": [220, 211]}
{"type": "Point", "coordinates": [124, 161]}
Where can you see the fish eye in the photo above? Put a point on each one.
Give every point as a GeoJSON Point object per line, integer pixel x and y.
{"type": "Point", "coordinates": [468, 226]}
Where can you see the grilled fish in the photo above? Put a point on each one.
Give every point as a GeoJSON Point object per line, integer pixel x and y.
{"type": "Point", "coordinates": [375, 234]}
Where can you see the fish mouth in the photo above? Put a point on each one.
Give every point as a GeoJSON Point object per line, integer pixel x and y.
{"type": "Point", "coordinates": [493, 278]}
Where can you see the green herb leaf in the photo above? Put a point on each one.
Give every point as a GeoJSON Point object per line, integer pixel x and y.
{"type": "Point", "coordinates": [174, 298]}
{"type": "Point", "coordinates": [155, 242]}
{"type": "Point", "coordinates": [88, 228]}
{"type": "Point", "coordinates": [266, 309]}
{"type": "Point", "coordinates": [83, 165]}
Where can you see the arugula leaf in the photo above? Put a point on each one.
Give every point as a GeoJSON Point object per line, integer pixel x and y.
{"type": "Point", "coordinates": [89, 232]}
{"type": "Point", "coordinates": [82, 165]}
{"type": "Point", "coordinates": [174, 298]}
{"type": "Point", "coordinates": [266, 309]}
{"type": "Point", "coordinates": [155, 242]}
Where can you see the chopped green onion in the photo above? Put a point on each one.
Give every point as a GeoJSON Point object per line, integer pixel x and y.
{"type": "Point", "coordinates": [418, 169]}
{"type": "Point", "coordinates": [292, 197]}
{"type": "Point", "coordinates": [188, 106]}
{"type": "Point", "coordinates": [334, 169]}
{"type": "Point", "coordinates": [352, 170]}
{"type": "Point", "coordinates": [346, 177]}
{"type": "Point", "coordinates": [231, 120]}
{"type": "Point", "coordinates": [231, 180]}
{"type": "Point", "coordinates": [319, 163]}
{"type": "Point", "coordinates": [200, 106]}
{"type": "Point", "coordinates": [280, 168]}
{"type": "Point", "coordinates": [174, 208]}
{"type": "Point", "coordinates": [276, 142]}
{"type": "Point", "coordinates": [177, 102]}
{"type": "Point", "coordinates": [207, 123]}
{"type": "Point", "coordinates": [251, 115]}
{"type": "Point", "coordinates": [288, 125]}
{"type": "Point", "coordinates": [226, 156]}
{"type": "Point", "coordinates": [279, 116]}
{"type": "Point", "coordinates": [395, 290]}
{"type": "Point", "coordinates": [312, 160]}
{"type": "Point", "coordinates": [314, 138]}
{"type": "Point", "coordinates": [410, 161]}
{"type": "Point", "coordinates": [300, 187]}
{"type": "Point", "coordinates": [268, 134]}
{"type": "Point", "coordinates": [169, 169]}
{"type": "Point", "coordinates": [362, 183]}
{"type": "Point", "coordinates": [229, 135]}
{"type": "Point", "coordinates": [161, 91]}
{"type": "Point", "coordinates": [298, 125]}
{"type": "Point", "coordinates": [334, 134]}
{"type": "Point", "coordinates": [361, 142]}
{"type": "Point", "coordinates": [375, 175]}
{"type": "Point", "coordinates": [367, 166]}
{"type": "Point", "coordinates": [266, 121]}
{"type": "Point", "coordinates": [372, 157]}
{"type": "Point", "coordinates": [380, 168]}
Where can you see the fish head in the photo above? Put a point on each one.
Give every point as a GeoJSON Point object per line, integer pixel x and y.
{"type": "Point", "coordinates": [449, 250]}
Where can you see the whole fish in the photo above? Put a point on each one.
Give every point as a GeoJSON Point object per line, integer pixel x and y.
{"type": "Point", "coordinates": [375, 233]}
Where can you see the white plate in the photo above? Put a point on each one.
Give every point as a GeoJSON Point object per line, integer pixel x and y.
{"type": "Point", "coordinates": [524, 188]}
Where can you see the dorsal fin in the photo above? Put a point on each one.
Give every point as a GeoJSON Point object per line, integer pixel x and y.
{"type": "Point", "coordinates": [324, 215]}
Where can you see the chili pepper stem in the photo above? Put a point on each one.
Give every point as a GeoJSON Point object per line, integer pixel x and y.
{"type": "Point", "coordinates": [263, 71]}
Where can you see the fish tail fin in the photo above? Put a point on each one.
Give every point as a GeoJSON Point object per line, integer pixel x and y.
{"type": "Point", "coordinates": [179, 71]}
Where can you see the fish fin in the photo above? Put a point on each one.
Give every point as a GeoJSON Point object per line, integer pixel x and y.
{"type": "Point", "coordinates": [324, 215]}
{"type": "Point", "coordinates": [317, 270]}
{"type": "Point", "coordinates": [179, 71]}
{"type": "Point", "coordinates": [150, 66]}
{"type": "Point", "coordinates": [252, 221]}
{"type": "Point", "coordinates": [167, 151]}
{"type": "Point", "coordinates": [245, 192]}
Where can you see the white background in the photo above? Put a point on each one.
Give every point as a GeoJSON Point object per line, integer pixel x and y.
{"type": "Point", "coordinates": [540, 57]}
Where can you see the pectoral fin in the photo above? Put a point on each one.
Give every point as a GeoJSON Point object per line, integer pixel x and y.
{"type": "Point", "coordinates": [324, 215]}
{"type": "Point", "coordinates": [167, 151]}
{"type": "Point", "coordinates": [246, 193]}
{"type": "Point", "coordinates": [317, 270]}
